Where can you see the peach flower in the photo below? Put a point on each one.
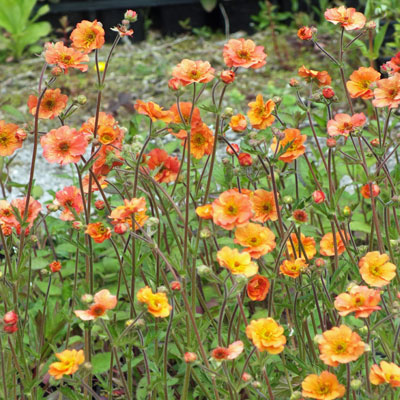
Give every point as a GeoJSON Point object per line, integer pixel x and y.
{"type": "Point", "coordinates": [260, 113]}
{"type": "Point", "coordinates": [376, 269]}
{"type": "Point", "coordinates": [243, 53]}
{"type": "Point", "coordinates": [344, 124]}
{"type": "Point", "coordinates": [103, 301]}
{"type": "Point", "coordinates": [348, 18]}
{"type": "Point", "coordinates": [189, 71]}
{"type": "Point", "coordinates": [360, 83]}
{"type": "Point", "coordinates": [237, 263]}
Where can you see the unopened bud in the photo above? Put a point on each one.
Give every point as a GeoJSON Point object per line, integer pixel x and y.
{"type": "Point", "coordinates": [87, 298]}
{"type": "Point", "coordinates": [162, 289]}
{"type": "Point", "coordinates": [204, 270]}
{"type": "Point", "coordinates": [190, 357]}
{"type": "Point", "coordinates": [205, 233]}
{"type": "Point", "coordinates": [87, 365]}
{"type": "Point", "coordinates": [346, 211]}
{"type": "Point", "coordinates": [288, 199]}
{"type": "Point", "coordinates": [296, 396]}
{"type": "Point", "coordinates": [81, 99]}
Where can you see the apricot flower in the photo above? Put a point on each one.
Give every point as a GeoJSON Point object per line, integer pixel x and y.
{"type": "Point", "coordinates": [293, 268]}
{"type": "Point", "coordinates": [237, 263]}
{"type": "Point", "coordinates": [387, 93]}
{"type": "Point", "coordinates": [264, 207]}
{"type": "Point", "coordinates": [9, 139]}
{"type": "Point", "coordinates": [322, 387]}
{"type": "Point", "coordinates": [327, 246]}
{"type": "Point", "coordinates": [348, 18]}
{"type": "Point", "coordinates": [292, 143]}
{"type": "Point", "coordinates": [228, 353]}
{"type": "Point", "coordinates": [307, 246]}
{"type": "Point", "coordinates": [51, 105]}
{"type": "Point", "coordinates": [385, 373]}
{"type": "Point", "coordinates": [153, 111]}
{"type": "Point", "coordinates": [344, 124]}
{"type": "Point", "coordinates": [87, 36]}
{"type": "Point", "coordinates": [167, 167]}
{"type": "Point", "coordinates": [260, 113]}
{"type": "Point", "coordinates": [376, 269]}
{"type": "Point", "coordinates": [361, 81]}
{"type": "Point", "coordinates": [68, 364]}
{"type": "Point", "coordinates": [322, 78]}
{"type": "Point", "coordinates": [157, 303]}
{"type": "Point", "coordinates": [98, 232]}
{"type": "Point", "coordinates": [243, 53]}
{"type": "Point", "coordinates": [238, 123]}
{"type": "Point", "coordinates": [103, 301]}
{"type": "Point", "coordinates": [65, 57]}
{"type": "Point", "coordinates": [188, 71]}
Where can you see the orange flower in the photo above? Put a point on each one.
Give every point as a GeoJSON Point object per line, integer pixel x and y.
{"type": "Point", "coordinates": [386, 373]}
{"type": "Point", "coordinates": [52, 104]}
{"type": "Point", "coordinates": [107, 158]}
{"type": "Point", "coordinates": [305, 33]}
{"type": "Point", "coordinates": [293, 268]}
{"type": "Point", "coordinates": [322, 78]}
{"type": "Point", "coordinates": [103, 301]}
{"type": "Point", "coordinates": [9, 139]}
{"type": "Point", "coordinates": [7, 217]}
{"type": "Point", "coordinates": [154, 111]}
{"type": "Point", "coordinates": [376, 269]}
{"type": "Point", "coordinates": [63, 145]}
{"type": "Point", "coordinates": [185, 109]}
{"type": "Point", "coordinates": [65, 57]}
{"type": "Point", "coordinates": [361, 81]}
{"type": "Point", "coordinates": [55, 266]}
{"type": "Point", "coordinates": [188, 71]}
{"type": "Point", "coordinates": [393, 65]}
{"type": "Point", "coordinates": [257, 239]}
{"type": "Point", "coordinates": [267, 335]}
{"type": "Point", "coordinates": [231, 209]}
{"type": "Point", "coordinates": [292, 143]}
{"type": "Point", "coordinates": [68, 364]}
{"type": "Point", "coordinates": [228, 353]}
{"type": "Point", "coordinates": [100, 178]}
{"type": "Point", "coordinates": [201, 140]}
{"type": "Point", "coordinates": [327, 247]}
{"type": "Point", "coordinates": [70, 200]}
{"type": "Point", "coordinates": [361, 300]}
{"type": "Point", "coordinates": [387, 93]}
{"type": "Point", "coordinates": [260, 113]}
{"type": "Point", "coordinates": [238, 123]}
{"type": "Point", "coordinates": [18, 206]}
{"type": "Point", "coordinates": [108, 130]}
{"type": "Point", "coordinates": [167, 166]}
{"type": "Point", "coordinates": [366, 190]}
{"type": "Point", "coordinates": [122, 215]}
{"type": "Point", "coordinates": [344, 124]}
{"type": "Point", "coordinates": [348, 18]}
{"type": "Point", "coordinates": [340, 345]}
{"type": "Point", "coordinates": [258, 287]}
{"type": "Point", "coordinates": [244, 53]}
{"type": "Point", "coordinates": [308, 246]}
{"type": "Point", "coordinates": [237, 263]}
{"type": "Point", "coordinates": [157, 303]}
{"type": "Point", "coordinates": [322, 387]}
{"type": "Point", "coordinates": [264, 206]}
{"type": "Point", "coordinates": [87, 36]}
{"type": "Point", "coordinates": [98, 232]}
{"type": "Point", "coordinates": [205, 211]}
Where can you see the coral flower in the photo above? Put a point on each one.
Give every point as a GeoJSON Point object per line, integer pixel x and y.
{"type": "Point", "coordinates": [98, 232]}
{"type": "Point", "coordinates": [205, 211]}
{"type": "Point", "coordinates": [258, 287]}
{"type": "Point", "coordinates": [267, 335]}
{"type": "Point", "coordinates": [393, 65]}
{"type": "Point", "coordinates": [87, 36]}
{"type": "Point", "coordinates": [293, 268]}
{"type": "Point", "coordinates": [70, 199]}
{"type": "Point", "coordinates": [243, 53]}
{"type": "Point", "coordinates": [376, 269]}
{"type": "Point", "coordinates": [366, 190]}
{"type": "Point", "coordinates": [100, 179]}
{"type": "Point", "coordinates": [157, 303]}
{"type": "Point", "coordinates": [7, 217]}
{"type": "Point", "coordinates": [237, 263]}
{"type": "Point", "coordinates": [238, 123]}
{"type": "Point", "coordinates": [231, 209]}
{"type": "Point", "coordinates": [361, 81]}
{"type": "Point", "coordinates": [108, 130]}
{"type": "Point", "coordinates": [260, 113]}
{"type": "Point", "coordinates": [257, 239]}
{"type": "Point", "coordinates": [9, 139]}
{"type": "Point", "coordinates": [322, 387]}
{"type": "Point", "coordinates": [103, 301]}
{"type": "Point", "coordinates": [52, 104]}
{"type": "Point", "coordinates": [18, 206]}
{"type": "Point", "coordinates": [189, 71]}
{"type": "Point", "coordinates": [327, 246]}
{"type": "Point", "coordinates": [293, 143]}
{"type": "Point", "coordinates": [201, 140]}
{"type": "Point", "coordinates": [385, 373]}
{"type": "Point", "coordinates": [55, 266]}
{"type": "Point", "coordinates": [344, 124]}
{"type": "Point", "coordinates": [264, 206]}
{"type": "Point", "coordinates": [307, 246]}
{"type": "Point", "coordinates": [361, 300]}
{"type": "Point", "coordinates": [305, 33]}
{"type": "Point", "coordinates": [153, 111]}
{"type": "Point", "coordinates": [64, 145]}
{"type": "Point", "coordinates": [185, 109]}
{"type": "Point", "coordinates": [340, 345]}
{"type": "Point", "coordinates": [228, 353]}
{"type": "Point", "coordinates": [68, 364]}
{"type": "Point", "coordinates": [65, 57]}
{"type": "Point", "coordinates": [106, 159]}
{"type": "Point", "coordinates": [322, 78]}
{"type": "Point", "coordinates": [167, 166]}
{"type": "Point", "coordinates": [348, 18]}
{"type": "Point", "coordinates": [387, 93]}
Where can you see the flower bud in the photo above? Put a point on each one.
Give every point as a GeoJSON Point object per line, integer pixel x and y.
{"type": "Point", "coordinates": [246, 377]}
{"type": "Point", "coordinates": [10, 328]}
{"type": "Point", "coordinates": [152, 222]}
{"type": "Point", "coordinates": [331, 143]}
{"type": "Point", "coordinates": [121, 228]}
{"type": "Point", "coordinates": [245, 159]}
{"type": "Point", "coordinates": [81, 99]}
{"type": "Point", "coordinates": [229, 149]}
{"type": "Point", "coordinates": [205, 233]}
{"type": "Point", "coordinates": [87, 365]}
{"type": "Point", "coordinates": [278, 133]}
{"type": "Point", "coordinates": [328, 93]}
{"type": "Point", "coordinates": [370, 25]}
{"type": "Point", "coordinates": [21, 134]}
{"type": "Point", "coordinates": [256, 384]}
{"type": "Point", "coordinates": [87, 298]}
{"type": "Point", "coordinates": [305, 33]}
{"type": "Point", "coordinates": [44, 271]}
{"type": "Point", "coordinates": [140, 323]}
{"type": "Point", "coordinates": [55, 266]}
{"type": "Point", "coordinates": [176, 285]}
{"type": "Point", "coordinates": [162, 289]}
{"type": "Point", "coordinates": [52, 207]}
{"type": "Point", "coordinates": [56, 71]}
{"type": "Point", "coordinates": [10, 318]}
{"type": "Point", "coordinates": [296, 395]}
{"type": "Point", "coordinates": [99, 204]}
{"type": "Point", "coordinates": [320, 262]}
{"type": "Point", "coordinates": [277, 100]}
{"type": "Point", "coordinates": [367, 348]}
{"type": "Point", "coordinates": [204, 270]}
{"type": "Point", "coordinates": [288, 199]}
{"type": "Point", "coordinates": [294, 82]}
{"type": "Point", "coordinates": [355, 384]}
{"type": "Point", "coordinates": [77, 225]}
{"type": "Point", "coordinates": [190, 357]}
{"type": "Point", "coordinates": [346, 211]}
{"type": "Point", "coordinates": [228, 112]}
{"type": "Point", "coordinates": [227, 76]}
{"type": "Point", "coordinates": [174, 84]}
{"type": "Point", "coordinates": [130, 15]}
{"type": "Point", "coordinates": [375, 142]}
{"type": "Point", "coordinates": [300, 216]}
{"type": "Point", "coordinates": [318, 196]}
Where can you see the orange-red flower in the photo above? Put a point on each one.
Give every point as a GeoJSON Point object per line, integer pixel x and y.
{"type": "Point", "coordinates": [228, 353]}
{"type": "Point", "coordinates": [167, 167]}
{"type": "Point", "coordinates": [70, 199]}
{"type": "Point", "coordinates": [98, 232]}
{"type": "Point", "coordinates": [153, 111]}
{"type": "Point", "coordinates": [205, 211]}
{"type": "Point", "coordinates": [227, 76]}
{"type": "Point", "coordinates": [293, 143]}
{"type": "Point", "coordinates": [327, 246]}
{"type": "Point", "coordinates": [189, 71]}
{"type": "Point", "coordinates": [366, 190]}
{"type": "Point", "coordinates": [68, 364]}
{"type": "Point", "coordinates": [87, 36]}
{"type": "Point", "coordinates": [376, 269]}
{"type": "Point", "coordinates": [122, 215]}
{"type": "Point", "coordinates": [305, 33]}
{"type": "Point", "coordinates": [258, 287]}
{"type": "Point", "coordinates": [360, 83]}
{"type": "Point", "coordinates": [108, 157]}
{"type": "Point", "coordinates": [267, 335]}
{"type": "Point", "coordinates": [65, 57]}
{"type": "Point", "coordinates": [361, 300]}
{"type": "Point", "coordinates": [231, 209]}
{"type": "Point", "coordinates": [63, 145]}
{"type": "Point", "coordinates": [322, 78]}
{"type": "Point", "coordinates": [307, 246]}
{"type": "Point", "coordinates": [293, 268]}
{"type": "Point", "coordinates": [322, 387]}
{"type": "Point", "coordinates": [340, 345]}
{"type": "Point", "coordinates": [238, 123]}
{"type": "Point", "coordinates": [18, 206]}
{"type": "Point", "coordinates": [55, 266]}
{"type": "Point", "coordinates": [185, 109]}
{"type": "Point", "coordinates": [52, 104]}
{"type": "Point", "coordinates": [9, 139]}
{"type": "Point", "coordinates": [157, 303]}
{"type": "Point", "coordinates": [348, 18]}
{"type": "Point", "coordinates": [260, 113]}
{"type": "Point", "coordinates": [257, 239]}
{"type": "Point", "coordinates": [393, 65]}
{"type": "Point", "coordinates": [387, 93]}
{"type": "Point", "coordinates": [7, 217]}
{"type": "Point", "coordinates": [108, 130]}
{"type": "Point", "coordinates": [237, 263]}
{"type": "Point", "coordinates": [264, 207]}
{"type": "Point", "coordinates": [385, 373]}
{"type": "Point", "coordinates": [243, 53]}
{"type": "Point", "coordinates": [103, 301]}
{"type": "Point", "coordinates": [201, 140]}
{"type": "Point", "coordinates": [344, 124]}
{"type": "Point", "coordinates": [100, 179]}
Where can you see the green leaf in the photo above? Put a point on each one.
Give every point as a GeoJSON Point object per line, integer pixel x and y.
{"type": "Point", "coordinates": [18, 115]}
{"type": "Point", "coordinates": [208, 5]}
{"type": "Point", "coordinates": [101, 363]}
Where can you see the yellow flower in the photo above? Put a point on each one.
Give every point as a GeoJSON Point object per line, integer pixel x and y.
{"type": "Point", "coordinates": [68, 364]}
